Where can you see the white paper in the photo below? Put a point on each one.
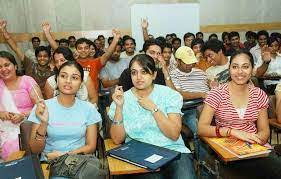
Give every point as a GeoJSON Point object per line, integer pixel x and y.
{"type": "Point", "coordinates": [153, 158]}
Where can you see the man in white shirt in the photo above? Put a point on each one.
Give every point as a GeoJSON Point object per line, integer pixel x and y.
{"type": "Point", "coordinates": [30, 53]}
{"type": "Point", "coordinates": [262, 37]}
{"type": "Point", "coordinates": [218, 72]}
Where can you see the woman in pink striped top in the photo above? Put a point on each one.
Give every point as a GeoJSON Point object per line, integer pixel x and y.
{"type": "Point", "coordinates": [239, 108]}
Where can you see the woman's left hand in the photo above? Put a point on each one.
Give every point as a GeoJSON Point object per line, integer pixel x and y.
{"type": "Point", "coordinates": [53, 155]}
{"type": "Point", "coordinates": [146, 103]}
{"type": "Point", "coordinates": [17, 118]}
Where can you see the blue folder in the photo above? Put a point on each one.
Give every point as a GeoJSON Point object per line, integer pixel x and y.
{"type": "Point", "coordinates": [144, 155]}
{"type": "Point", "coordinates": [27, 167]}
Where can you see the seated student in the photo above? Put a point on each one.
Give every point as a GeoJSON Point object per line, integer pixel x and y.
{"type": "Point", "coordinates": [41, 70]}
{"type": "Point", "coordinates": [17, 97]}
{"type": "Point", "coordinates": [199, 35]}
{"type": "Point", "coordinates": [176, 43]}
{"type": "Point", "coordinates": [262, 37]}
{"type": "Point", "coordinates": [226, 41]}
{"type": "Point", "coordinates": [191, 83]}
{"type": "Point", "coordinates": [152, 48]}
{"type": "Point", "coordinates": [217, 73]}
{"type": "Point", "coordinates": [93, 66]}
{"type": "Point", "coordinates": [213, 37]}
{"type": "Point", "coordinates": [129, 45]}
{"type": "Point", "coordinates": [99, 51]}
{"type": "Point", "coordinates": [87, 90]}
{"type": "Point", "coordinates": [64, 124]}
{"type": "Point", "coordinates": [72, 41]}
{"type": "Point", "coordinates": [269, 64]}
{"type": "Point", "coordinates": [150, 113]}
{"type": "Point", "coordinates": [188, 38]}
{"type": "Point", "coordinates": [111, 72]}
{"type": "Point", "coordinates": [251, 38]}
{"type": "Point", "coordinates": [169, 57]}
{"type": "Point", "coordinates": [235, 44]}
{"type": "Point", "coordinates": [64, 43]}
{"type": "Point", "coordinates": [196, 46]}
{"type": "Point", "coordinates": [240, 111]}
{"type": "Point", "coordinates": [30, 53]}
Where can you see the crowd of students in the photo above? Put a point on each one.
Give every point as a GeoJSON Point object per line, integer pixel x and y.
{"type": "Point", "coordinates": [147, 91]}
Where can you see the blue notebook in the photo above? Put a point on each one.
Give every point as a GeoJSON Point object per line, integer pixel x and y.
{"type": "Point", "coordinates": [144, 155]}
{"type": "Point", "coordinates": [27, 167]}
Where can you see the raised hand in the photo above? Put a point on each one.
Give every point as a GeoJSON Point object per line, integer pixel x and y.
{"type": "Point", "coordinates": [118, 96]}
{"type": "Point", "coordinates": [116, 33]}
{"type": "Point", "coordinates": [42, 112]}
{"type": "Point", "coordinates": [146, 103]}
{"type": "Point", "coordinates": [266, 53]}
{"type": "Point", "coordinates": [144, 23]}
{"type": "Point", "coordinates": [46, 27]}
{"type": "Point", "coordinates": [3, 25]}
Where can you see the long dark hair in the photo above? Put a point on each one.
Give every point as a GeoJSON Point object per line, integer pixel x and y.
{"type": "Point", "coordinates": [145, 61]}
{"type": "Point", "coordinates": [11, 58]}
{"type": "Point", "coordinates": [71, 63]}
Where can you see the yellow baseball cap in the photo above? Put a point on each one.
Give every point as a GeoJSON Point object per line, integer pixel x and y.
{"type": "Point", "coordinates": [186, 55]}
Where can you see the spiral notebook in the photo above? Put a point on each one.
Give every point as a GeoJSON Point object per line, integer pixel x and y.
{"type": "Point", "coordinates": [144, 155]}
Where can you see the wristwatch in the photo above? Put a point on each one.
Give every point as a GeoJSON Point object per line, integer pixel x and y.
{"type": "Point", "coordinates": [119, 122]}
{"type": "Point", "coordinates": [154, 110]}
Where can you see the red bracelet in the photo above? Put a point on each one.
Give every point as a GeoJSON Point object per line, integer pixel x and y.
{"type": "Point", "coordinates": [218, 131]}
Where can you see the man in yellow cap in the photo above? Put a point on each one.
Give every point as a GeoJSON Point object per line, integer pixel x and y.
{"type": "Point", "coordinates": [192, 84]}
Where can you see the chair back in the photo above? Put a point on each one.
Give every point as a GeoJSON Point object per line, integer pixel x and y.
{"type": "Point", "coordinates": [24, 136]}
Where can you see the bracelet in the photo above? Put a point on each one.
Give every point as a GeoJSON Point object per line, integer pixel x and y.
{"type": "Point", "coordinates": [228, 132]}
{"type": "Point", "coordinates": [218, 131]}
{"type": "Point", "coordinates": [168, 78]}
{"type": "Point", "coordinates": [114, 122]}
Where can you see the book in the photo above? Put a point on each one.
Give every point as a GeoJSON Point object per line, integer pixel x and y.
{"type": "Point", "coordinates": [240, 148]}
{"type": "Point", "coordinates": [144, 155]}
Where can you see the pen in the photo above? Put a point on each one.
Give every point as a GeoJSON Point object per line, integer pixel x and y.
{"type": "Point", "coordinates": [249, 144]}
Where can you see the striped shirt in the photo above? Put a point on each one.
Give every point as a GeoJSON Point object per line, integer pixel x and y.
{"type": "Point", "coordinates": [226, 114]}
{"type": "Point", "coordinates": [194, 81]}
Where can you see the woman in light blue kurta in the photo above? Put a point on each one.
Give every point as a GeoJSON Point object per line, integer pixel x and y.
{"type": "Point", "coordinates": [150, 113]}
{"type": "Point", "coordinates": [64, 124]}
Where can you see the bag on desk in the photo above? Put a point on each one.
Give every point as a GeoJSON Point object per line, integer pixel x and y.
{"type": "Point", "coordinates": [77, 166]}
{"type": "Point", "coordinates": [26, 167]}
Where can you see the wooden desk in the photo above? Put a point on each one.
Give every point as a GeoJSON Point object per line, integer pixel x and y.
{"type": "Point", "coordinates": [20, 154]}
{"type": "Point", "coordinates": [118, 167]}
{"type": "Point", "coordinates": [225, 155]}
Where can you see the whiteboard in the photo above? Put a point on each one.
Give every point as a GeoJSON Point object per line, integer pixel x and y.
{"type": "Point", "coordinates": [179, 18]}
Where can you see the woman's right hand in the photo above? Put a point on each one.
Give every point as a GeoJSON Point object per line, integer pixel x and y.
{"type": "Point", "coordinates": [118, 96]}
{"type": "Point", "coordinates": [42, 111]}
{"type": "Point", "coordinates": [4, 115]}
{"type": "Point", "coordinates": [245, 136]}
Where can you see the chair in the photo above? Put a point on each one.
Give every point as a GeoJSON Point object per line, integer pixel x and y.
{"type": "Point", "coordinates": [272, 118]}
{"type": "Point", "coordinates": [24, 136]}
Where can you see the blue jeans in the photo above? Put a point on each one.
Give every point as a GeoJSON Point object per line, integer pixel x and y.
{"type": "Point", "coordinates": [182, 168]}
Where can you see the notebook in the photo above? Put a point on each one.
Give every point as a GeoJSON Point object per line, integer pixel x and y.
{"type": "Point", "coordinates": [25, 168]}
{"type": "Point", "coordinates": [144, 155]}
{"type": "Point", "coordinates": [241, 149]}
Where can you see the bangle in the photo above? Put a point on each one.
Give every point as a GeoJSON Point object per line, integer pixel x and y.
{"type": "Point", "coordinates": [230, 131]}
{"type": "Point", "coordinates": [114, 122]}
{"type": "Point", "coordinates": [218, 131]}
{"type": "Point", "coordinates": [168, 78]}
